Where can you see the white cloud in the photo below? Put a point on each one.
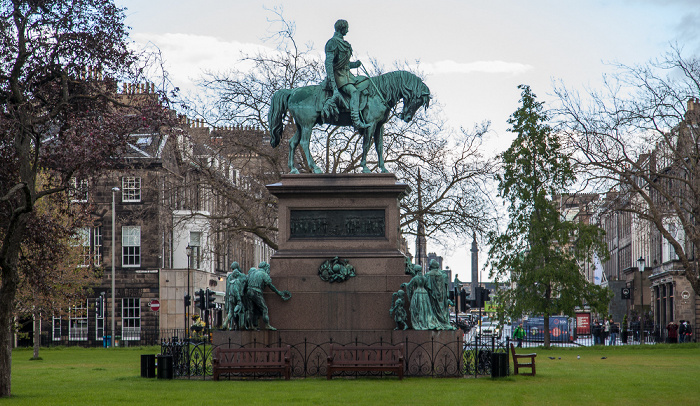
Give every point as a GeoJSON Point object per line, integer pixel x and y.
{"type": "Point", "coordinates": [449, 66]}
{"type": "Point", "coordinates": [186, 56]}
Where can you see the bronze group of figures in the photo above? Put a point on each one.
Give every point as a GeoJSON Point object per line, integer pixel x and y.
{"type": "Point", "coordinates": [427, 298]}
{"type": "Point", "coordinates": [244, 303]}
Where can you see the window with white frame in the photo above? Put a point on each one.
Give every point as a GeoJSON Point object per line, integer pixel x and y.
{"type": "Point", "coordinates": [97, 246]}
{"type": "Point", "coordinates": [100, 317]}
{"type": "Point", "coordinates": [131, 246]}
{"type": "Point", "coordinates": [78, 190]}
{"type": "Point", "coordinates": [56, 329]}
{"type": "Point", "coordinates": [131, 189]}
{"type": "Point", "coordinates": [196, 244]}
{"type": "Point", "coordinates": [82, 240]}
{"type": "Point", "coordinates": [78, 323]}
{"type": "Point", "coordinates": [131, 319]}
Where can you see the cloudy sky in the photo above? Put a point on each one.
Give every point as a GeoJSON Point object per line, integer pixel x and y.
{"type": "Point", "coordinates": [475, 53]}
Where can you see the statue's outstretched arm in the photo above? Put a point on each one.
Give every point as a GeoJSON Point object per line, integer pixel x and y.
{"type": "Point", "coordinates": [284, 294]}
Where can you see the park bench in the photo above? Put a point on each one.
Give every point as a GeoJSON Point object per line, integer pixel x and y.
{"type": "Point", "coordinates": [519, 361]}
{"type": "Point", "coordinates": [237, 360]}
{"type": "Point", "coordinates": [389, 358]}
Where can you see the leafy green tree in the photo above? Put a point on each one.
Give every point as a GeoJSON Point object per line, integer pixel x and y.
{"type": "Point", "coordinates": [540, 253]}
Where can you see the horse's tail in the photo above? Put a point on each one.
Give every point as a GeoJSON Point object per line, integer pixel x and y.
{"type": "Point", "coordinates": [275, 117]}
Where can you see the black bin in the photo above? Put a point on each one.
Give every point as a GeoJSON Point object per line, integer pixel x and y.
{"type": "Point", "coordinates": [165, 366]}
{"type": "Point", "coordinates": [499, 364]}
{"type": "Point", "coordinates": [148, 366]}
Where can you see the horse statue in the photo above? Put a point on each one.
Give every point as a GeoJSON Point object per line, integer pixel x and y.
{"type": "Point", "coordinates": [380, 94]}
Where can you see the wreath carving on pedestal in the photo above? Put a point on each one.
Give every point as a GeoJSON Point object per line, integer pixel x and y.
{"type": "Point", "coordinates": [336, 270]}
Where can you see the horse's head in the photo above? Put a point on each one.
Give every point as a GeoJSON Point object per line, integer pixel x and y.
{"type": "Point", "coordinates": [412, 105]}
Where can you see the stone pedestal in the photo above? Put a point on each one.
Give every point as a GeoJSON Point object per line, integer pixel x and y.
{"type": "Point", "coordinates": [354, 217]}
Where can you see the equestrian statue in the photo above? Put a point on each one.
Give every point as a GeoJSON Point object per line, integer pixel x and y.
{"type": "Point", "coordinates": [344, 99]}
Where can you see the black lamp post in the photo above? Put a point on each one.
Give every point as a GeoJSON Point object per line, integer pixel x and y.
{"type": "Point", "coordinates": [640, 265]}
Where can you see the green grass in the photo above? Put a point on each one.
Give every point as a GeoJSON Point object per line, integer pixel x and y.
{"type": "Point", "coordinates": [632, 375]}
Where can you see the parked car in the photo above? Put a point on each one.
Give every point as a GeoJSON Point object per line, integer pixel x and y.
{"type": "Point", "coordinates": [489, 329]}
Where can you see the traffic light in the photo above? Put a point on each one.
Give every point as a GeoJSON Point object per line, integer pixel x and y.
{"type": "Point", "coordinates": [463, 300]}
{"type": "Point", "coordinates": [188, 300]}
{"type": "Point", "coordinates": [211, 299]}
{"type": "Point", "coordinates": [200, 300]}
{"type": "Point", "coordinates": [487, 295]}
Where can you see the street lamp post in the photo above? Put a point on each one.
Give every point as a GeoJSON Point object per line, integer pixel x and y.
{"type": "Point", "coordinates": [114, 248]}
{"type": "Point", "coordinates": [640, 265]}
{"type": "Point", "coordinates": [188, 251]}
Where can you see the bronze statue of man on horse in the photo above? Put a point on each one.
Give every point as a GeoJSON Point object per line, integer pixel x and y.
{"type": "Point", "coordinates": [340, 79]}
{"type": "Point", "coordinates": [371, 100]}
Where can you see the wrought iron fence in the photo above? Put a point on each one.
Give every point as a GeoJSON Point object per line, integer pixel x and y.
{"type": "Point", "coordinates": [192, 359]}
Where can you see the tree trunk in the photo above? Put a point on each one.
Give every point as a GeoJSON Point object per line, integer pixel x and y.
{"type": "Point", "coordinates": [7, 299]}
{"type": "Point", "coordinates": [37, 332]}
{"type": "Point", "coordinates": [9, 280]}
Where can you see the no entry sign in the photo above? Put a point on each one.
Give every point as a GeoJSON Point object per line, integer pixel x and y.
{"type": "Point", "coordinates": [154, 305]}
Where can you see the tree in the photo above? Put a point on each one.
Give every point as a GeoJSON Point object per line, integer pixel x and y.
{"type": "Point", "coordinates": [638, 137]}
{"type": "Point", "coordinates": [453, 171]}
{"type": "Point", "coordinates": [540, 253]}
{"type": "Point", "coordinates": [55, 269]}
{"type": "Point", "coordinates": [60, 117]}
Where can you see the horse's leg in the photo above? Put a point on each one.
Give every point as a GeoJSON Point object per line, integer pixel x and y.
{"type": "Point", "coordinates": [366, 143]}
{"type": "Point", "coordinates": [293, 143]}
{"type": "Point", "coordinates": [305, 139]}
{"type": "Point", "coordinates": [379, 146]}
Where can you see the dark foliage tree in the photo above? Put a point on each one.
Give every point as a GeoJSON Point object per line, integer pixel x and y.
{"type": "Point", "coordinates": [60, 117]}
{"type": "Point", "coordinates": [540, 254]}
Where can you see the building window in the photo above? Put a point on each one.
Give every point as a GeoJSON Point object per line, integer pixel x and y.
{"type": "Point", "coordinates": [131, 189]}
{"type": "Point", "coordinates": [56, 329]}
{"type": "Point", "coordinates": [78, 190]}
{"type": "Point", "coordinates": [131, 246]}
{"type": "Point", "coordinates": [196, 244]}
{"type": "Point", "coordinates": [82, 243]}
{"type": "Point", "coordinates": [100, 317]}
{"type": "Point", "coordinates": [131, 319]}
{"type": "Point", "coordinates": [97, 246]}
{"type": "Point", "coordinates": [77, 323]}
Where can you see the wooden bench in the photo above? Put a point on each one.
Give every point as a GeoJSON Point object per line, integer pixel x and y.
{"type": "Point", "coordinates": [517, 363]}
{"type": "Point", "coordinates": [388, 358]}
{"type": "Point", "coordinates": [228, 360]}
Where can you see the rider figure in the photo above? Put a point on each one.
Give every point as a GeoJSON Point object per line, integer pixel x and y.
{"type": "Point", "coordinates": [338, 65]}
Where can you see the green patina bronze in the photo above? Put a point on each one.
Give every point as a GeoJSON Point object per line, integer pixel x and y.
{"type": "Point", "coordinates": [398, 310]}
{"type": "Point", "coordinates": [336, 270]}
{"type": "Point", "coordinates": [244, 302]}
{"type": "Point", "coordinates": [428, 297]}
{"type": "Point", "coordinates": [234, 300]}
{"type": "Point", "coordinates": [345, 99]}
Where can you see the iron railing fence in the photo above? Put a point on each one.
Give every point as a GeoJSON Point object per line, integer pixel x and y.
{"type": "Point", "coordinates": [142, 337]}
{"type": "Point", "coordinates": [192, 359]}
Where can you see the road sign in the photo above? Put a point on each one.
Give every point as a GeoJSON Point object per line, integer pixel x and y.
{"type": "Point", "coordinates": [154, 305]}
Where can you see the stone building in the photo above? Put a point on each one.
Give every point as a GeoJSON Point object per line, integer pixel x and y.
{"type": "Point", "coordinates": [167, 238]}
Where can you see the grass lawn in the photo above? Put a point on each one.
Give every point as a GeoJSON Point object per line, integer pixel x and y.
{"type": "Point", "coordinates": [630, 375]}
